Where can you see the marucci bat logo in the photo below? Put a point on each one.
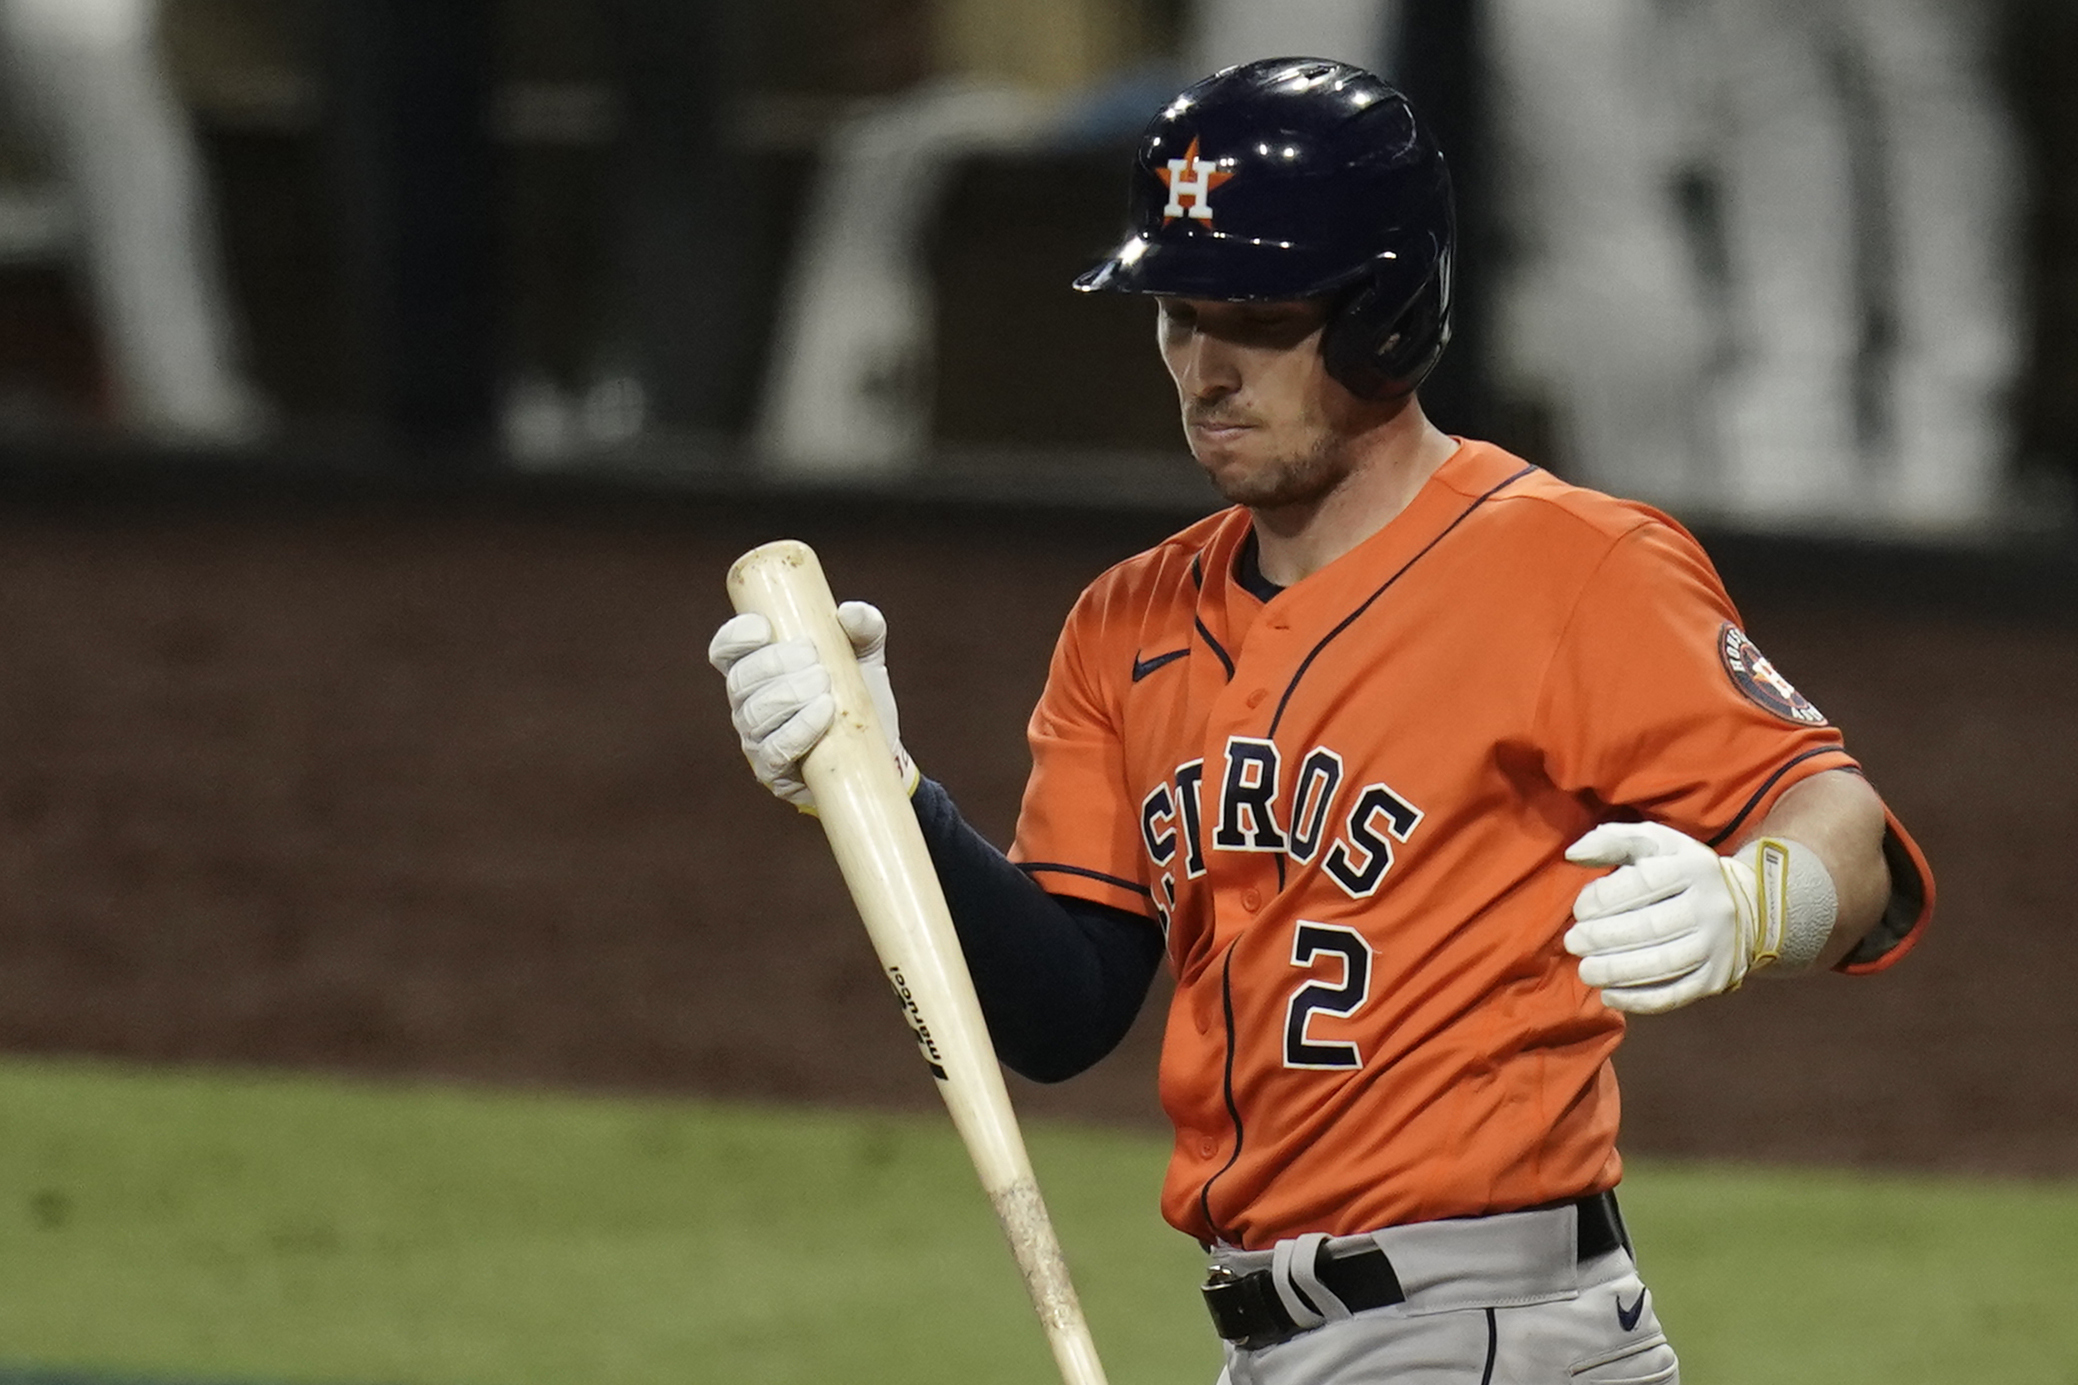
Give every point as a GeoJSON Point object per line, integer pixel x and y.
{"type": "Point", "coordinates": [911, 1011]}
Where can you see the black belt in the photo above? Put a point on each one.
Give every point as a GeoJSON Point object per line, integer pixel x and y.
{"type": "Point", "coordinates": [1247, 1311]}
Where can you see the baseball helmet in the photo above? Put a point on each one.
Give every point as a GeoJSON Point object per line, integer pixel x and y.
{"type": "Point", "coordinates": [1299, 178]}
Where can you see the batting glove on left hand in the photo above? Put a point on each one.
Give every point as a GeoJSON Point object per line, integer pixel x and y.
{"type": "Point", "coordinates": [1676, 923]}
{"type": "Point", "coordinates": [779, 695]}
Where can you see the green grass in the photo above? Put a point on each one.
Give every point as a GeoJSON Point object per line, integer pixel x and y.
{"type": "Point", "coordinates": [227, 1227]}
{"type": "Point", "coordinates": [1767, 1275]}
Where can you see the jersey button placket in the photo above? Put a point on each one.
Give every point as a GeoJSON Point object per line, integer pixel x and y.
{"type": "Point", "coordinates": [1238, 880]}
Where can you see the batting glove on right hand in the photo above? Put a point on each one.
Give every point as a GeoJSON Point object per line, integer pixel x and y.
{"type": "Point", "coordinates": [779, 695]}
{"type": "Point", "coordinates": [1676, 923]}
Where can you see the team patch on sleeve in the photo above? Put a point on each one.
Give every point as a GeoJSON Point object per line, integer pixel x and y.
{"type": "Point", "coordinates": [1753, 675]}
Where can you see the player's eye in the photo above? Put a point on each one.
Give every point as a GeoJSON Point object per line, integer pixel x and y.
{"type": "Point", "coordinates": [1276, 324]}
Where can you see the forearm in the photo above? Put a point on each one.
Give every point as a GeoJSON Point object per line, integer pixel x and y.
{"type": "Point", "coordinates": [1059, 980]}
{"type": "Point", "coordinates": [1839, 818]}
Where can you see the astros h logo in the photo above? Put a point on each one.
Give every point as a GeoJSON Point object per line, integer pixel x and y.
{"type": "Point", "coordinates": [1190, 181]}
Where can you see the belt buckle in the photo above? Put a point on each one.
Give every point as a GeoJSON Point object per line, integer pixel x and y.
{"type": "Point", "coordinates": [1245, 1310]}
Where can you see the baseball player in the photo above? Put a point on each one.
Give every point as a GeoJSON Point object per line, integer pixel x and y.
{"type": "Point", "coordinates": [1421, 768]}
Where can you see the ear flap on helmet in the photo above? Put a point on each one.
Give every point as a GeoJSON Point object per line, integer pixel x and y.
{"type": "Point", "coordinates": [1381, 340]}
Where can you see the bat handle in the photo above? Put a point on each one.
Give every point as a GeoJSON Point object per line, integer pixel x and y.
{"type": "Point", "coordinates": [1022, 1215]}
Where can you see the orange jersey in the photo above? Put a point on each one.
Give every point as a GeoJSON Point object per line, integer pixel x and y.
{"type": "Point", "coordinates": [1348, 809]}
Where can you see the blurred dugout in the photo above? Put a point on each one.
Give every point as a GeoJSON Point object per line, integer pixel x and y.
{"type": "Point", "coordinates": [849, 392]}
{"type": "Point", "coordinates": [1745, 257]}
{"type": "Point", "coordinates": [1774, 243]}
{"type": "Point", "coordinates": [1765, 255]}
{"type": "Point", "coordinates": [123, 194]}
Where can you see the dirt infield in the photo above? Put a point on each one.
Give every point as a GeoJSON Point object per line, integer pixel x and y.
{"type": "Point", "coordinates": [449, 789]}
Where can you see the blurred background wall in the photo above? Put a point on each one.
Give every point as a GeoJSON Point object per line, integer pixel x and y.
{"type": "Point", "coordinates": [384, 385]}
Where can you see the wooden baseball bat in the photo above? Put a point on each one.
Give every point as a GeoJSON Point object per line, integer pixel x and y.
{"type": "Point", "coordinates": [864, 809]}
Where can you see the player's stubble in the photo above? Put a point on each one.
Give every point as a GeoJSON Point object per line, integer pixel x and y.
{"type": "Point", "coordinates": [1295, 475]}
{"type": "Point", "coordinates": [1261, 415]}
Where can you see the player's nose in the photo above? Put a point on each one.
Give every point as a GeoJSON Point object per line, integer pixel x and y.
{"type": "Point", "coordinates": [1207, 368]}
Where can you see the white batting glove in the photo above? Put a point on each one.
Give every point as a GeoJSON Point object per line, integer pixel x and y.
{"type": "Point", "coordinates": [1679, 922]}
{"type": "Point", "coordinates": [779, 695]}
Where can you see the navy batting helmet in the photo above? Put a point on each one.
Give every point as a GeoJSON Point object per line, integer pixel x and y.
{"type": "Point", "coordinates": [1299, 178]}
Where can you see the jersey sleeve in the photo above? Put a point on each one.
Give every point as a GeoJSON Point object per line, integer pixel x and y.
{"type": "Point", "coordinates": [1657, 703]}
{"type": "Point", "coordinates": [1910, 908]}
{"type": "Point", "coordinates": [1078, 830]}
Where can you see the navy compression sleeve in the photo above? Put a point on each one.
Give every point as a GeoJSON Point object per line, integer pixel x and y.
{"type": "Point", "coordinates": [1060, 979]}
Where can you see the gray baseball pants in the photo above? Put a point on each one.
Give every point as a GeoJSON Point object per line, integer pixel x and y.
{"type": "Point", "coordinates": [1500, 1300]}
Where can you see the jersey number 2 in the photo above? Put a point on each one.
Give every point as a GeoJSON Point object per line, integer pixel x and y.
{"type": "Point", "coordinates": [1309, 941]}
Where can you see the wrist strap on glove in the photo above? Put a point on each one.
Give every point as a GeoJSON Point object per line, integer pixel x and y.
{"type": "Point", "coordinates": [1786, 905]}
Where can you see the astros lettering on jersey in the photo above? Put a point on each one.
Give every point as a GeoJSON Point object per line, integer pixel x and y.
{"type": "Point", "coordinates": [1348, 808]}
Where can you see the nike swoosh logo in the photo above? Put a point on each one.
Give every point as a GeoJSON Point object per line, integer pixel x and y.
{"type": "Point", "coordinates": [1627, 1318]}
{"type": "Point", "coordinates": [1143, 667]}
